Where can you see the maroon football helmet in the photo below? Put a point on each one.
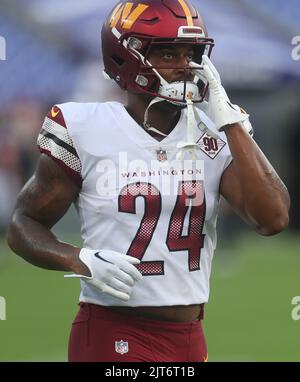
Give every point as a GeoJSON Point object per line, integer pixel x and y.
{"type": "Point", "coordinates": [134, 27]}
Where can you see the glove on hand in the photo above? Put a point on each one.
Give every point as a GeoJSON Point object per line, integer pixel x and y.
{"type": "Point", "coordinates": [218, 107]}
{"type": "Point", "coordinates": [112, 272]}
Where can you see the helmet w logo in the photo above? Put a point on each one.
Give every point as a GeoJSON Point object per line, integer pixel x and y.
{"type": "Point", "coordinates": [127, 16]}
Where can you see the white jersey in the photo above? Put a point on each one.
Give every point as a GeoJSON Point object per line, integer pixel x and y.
{"type": "Point", "coordinates": [141, 197]}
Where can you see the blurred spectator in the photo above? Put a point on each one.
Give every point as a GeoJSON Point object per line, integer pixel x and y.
{"type": "Point", "coordinates": [19, 127]}
{"type": "Point", "coordinates": [10, 181]}
{"type": "Point", "coordinates": [294, 181]}
{"type": "Point", "coordinates": [25, 122]}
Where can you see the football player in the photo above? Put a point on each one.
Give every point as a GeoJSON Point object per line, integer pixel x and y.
{"type": "Point", "coordinates": [146, 179]}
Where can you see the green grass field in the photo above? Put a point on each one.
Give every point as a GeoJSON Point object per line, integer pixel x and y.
{"type": "Point", "coordinates": [248, 317]}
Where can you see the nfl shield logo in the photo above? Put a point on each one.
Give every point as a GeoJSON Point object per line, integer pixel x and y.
{"type": "Point", "coordinates": [161, 155]}
{"type": "Point", "coordinates": [121, 347]}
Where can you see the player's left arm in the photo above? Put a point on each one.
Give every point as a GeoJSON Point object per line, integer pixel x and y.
{"type": "Point", "coordinates": [251, 185]}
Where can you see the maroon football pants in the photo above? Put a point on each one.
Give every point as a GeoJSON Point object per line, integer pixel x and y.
{"type": "Point", "coordinates": [101, 335]}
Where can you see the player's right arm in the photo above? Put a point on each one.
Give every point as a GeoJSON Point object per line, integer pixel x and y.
{"type": "Point", "coordinates": [42, 202]}
{"type": "Point", "coordinates": [46, 198]}
{"type": "Point", "coordinates": [40, 205]}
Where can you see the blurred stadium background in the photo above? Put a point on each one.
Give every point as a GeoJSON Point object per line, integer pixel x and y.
{"type": "Point", "coordinates": [53, 56]}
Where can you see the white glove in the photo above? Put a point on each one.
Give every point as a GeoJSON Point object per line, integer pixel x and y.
{"type": "Point", "coordinates": [218, 107]}
{"type": "Point", "coordinates": [112, 272]}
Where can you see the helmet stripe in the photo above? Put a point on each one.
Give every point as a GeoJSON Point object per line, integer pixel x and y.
{"type": "Point", "coordinates": [187, 13]}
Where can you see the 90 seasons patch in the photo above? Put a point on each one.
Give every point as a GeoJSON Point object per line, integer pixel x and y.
{"type": "Point", "coordinates": [211, 146]}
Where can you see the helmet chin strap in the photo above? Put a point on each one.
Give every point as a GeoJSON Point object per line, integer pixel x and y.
{"type": "Point", "coordinates": [146, 124]}
{"type": "Point", "coordinates": [189, 145]}
{"type": "Point", "coordinates": [193, 120]}
{"type": "Point", "coordinates": [174, 90]}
